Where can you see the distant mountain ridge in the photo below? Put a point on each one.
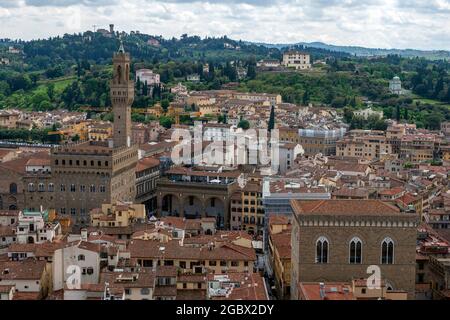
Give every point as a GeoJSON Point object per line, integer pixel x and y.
{"type": "Point", "coordinates": [365, 52]}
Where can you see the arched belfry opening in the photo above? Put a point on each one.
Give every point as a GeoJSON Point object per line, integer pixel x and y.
{"type": "Point", "coordinates": [119, 74]}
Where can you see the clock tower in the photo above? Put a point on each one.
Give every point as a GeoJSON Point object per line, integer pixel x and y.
{"type": "Point", "coordinates": [122, 97]}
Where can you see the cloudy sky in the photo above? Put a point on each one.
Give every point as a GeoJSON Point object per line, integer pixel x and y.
{"type": "Point", "coordinates": [420, 24]}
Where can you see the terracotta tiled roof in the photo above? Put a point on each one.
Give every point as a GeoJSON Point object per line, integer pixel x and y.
{"type": "Point", "coordinates": [282, 243]}
{"type": "Point", "coordinates": [4, 152]}
{"type": "Point", "coordinates": [40, 250]}
{"type": "Point", "coordinates": [197, 294]}
{"type": "Point", "coordinates": [166, 271]}
{"type": "Point", "coordinates": [391, 192]}
{"type": "Point", "coordinates": [6, 288]}
{"type": "Point", "coordinates": [7, 231]}
{"type": "Point", "coordinates": [94, 247]}
{"type": "Point", "coordinates": [182, 223]}
{"type": "Point", "coordinates": [18, 165]}
{"type": "Point", "coordinates": [145, 278]}
{"type": "Point", "coordinates": [26, 295]}
{"type": "Point", "coordinates": [146, 163]}
{"type": "Point", "coordinates": [165, 291]}
{"type": "Point", "coordinates": [278, 219]}
{"type": "Point", "coordinates": [172, 250]}
{"type": "Point", "coordinates": [351, 192]}
{"type": "Point", "coordinates": [39, 161]}
{"type": "Point", "coordinates": [9, 213]}
{"type": "Point", "coordinates": [332, 291]}
{"type": "Point", "coordinates": [344, 207]}
{"type": "Point", "coordinates": [407, 199]}
{"type": "Point", "coordinates": [188, 277]}
{"type": "Point", "coordinates": [29, 269]}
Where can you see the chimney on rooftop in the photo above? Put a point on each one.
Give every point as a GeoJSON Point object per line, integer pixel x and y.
{"type": "Point", "coordinates": [322, 290]}
{"type": "Point", "coordinates": [84, 234]}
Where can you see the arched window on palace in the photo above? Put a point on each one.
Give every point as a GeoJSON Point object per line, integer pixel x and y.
{"type": "Point", "coordinates": [13, 188]}
{"type": "Point", "coordinates": [322, 247]}
{"type": "Point", "coordinates": [355, 251]}
{"type": "Point", "coordinates": [387, 251]}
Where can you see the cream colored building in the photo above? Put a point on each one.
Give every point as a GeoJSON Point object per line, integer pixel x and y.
{"type": "Point", "coordinates": [258, 97]}
{"type": "Point", "coordinates": [418, 147]}
{"type": "Point", "coordinates": [117, 215]}
{"type": "Point", "coordinates": [8, 118]}
{"type": "Point", "coordinates": [247, 210]}
{"type": "Point", "coordinates": [209, 109]}
{"type": "Point", "coordinates": [296, 59]}
{"type": "Point", "coordinates": [367, 147]}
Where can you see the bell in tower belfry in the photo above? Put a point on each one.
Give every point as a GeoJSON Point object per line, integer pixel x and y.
{"type": "Point", "coordinates": [122, 97]}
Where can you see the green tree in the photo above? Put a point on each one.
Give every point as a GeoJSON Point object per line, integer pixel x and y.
{"type": "Point", "coordinates": [45, 105]}
{"type": "Point", "coordinates": [348, 115]}
{"type": "Point", "coordinates": [271, 124]}
{"type": "Point", "coordinates": [244, 124]}
{"type": "Point", "coordinates": [38, 98]}
{"type": "Point", "coordinates": [166, 122]}
{"type": "Point", "coordinates": [251, 70]}
{"type": "Point", "coordinates": [138, 85]}
{"type": "Point", "coordinates": [51, 91]}
{"type": "Point", "coordinates": [433, 121]}
{"type": "Point", "coordinates": [76, 138]}
{"type": "Point", "coordinates": [145, 89]}
{"type": "Point", "coordinates": [165, 104]}
{"type": "Point", "coordinates": [306, 98]}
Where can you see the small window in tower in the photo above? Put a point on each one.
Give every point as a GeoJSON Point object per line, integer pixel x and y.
{"type": "Point", "coordinates": [119, 73]}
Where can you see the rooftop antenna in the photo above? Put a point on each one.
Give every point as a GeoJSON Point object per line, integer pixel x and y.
{"type": "Point", "coordinates": [95, 27]}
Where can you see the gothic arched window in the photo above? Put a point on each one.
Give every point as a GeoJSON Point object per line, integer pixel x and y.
{"type": "Point", "coordinates": [387, 251]}
{"type": "Point", "coordinates": [355, 250]}
{"type": "Point", "coordinates": [119, 74]}
{"type": "Point", "coordinates": [13, 188]}
{"type": "Point", "coordinates": [322, 249]}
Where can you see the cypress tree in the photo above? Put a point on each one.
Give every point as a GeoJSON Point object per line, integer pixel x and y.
{"type": "Point", "coordinates": [271, 125]}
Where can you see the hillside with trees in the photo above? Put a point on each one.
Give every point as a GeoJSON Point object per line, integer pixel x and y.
{"type": "Point", "coordinates": [73, 71]}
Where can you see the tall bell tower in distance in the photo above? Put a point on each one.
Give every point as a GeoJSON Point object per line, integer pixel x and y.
{"type": "Point", "coordinates": [122, 97]}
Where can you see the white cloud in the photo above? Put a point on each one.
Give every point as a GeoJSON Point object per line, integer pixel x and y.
{"type": "Point", "coordinates": [371, 23]}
